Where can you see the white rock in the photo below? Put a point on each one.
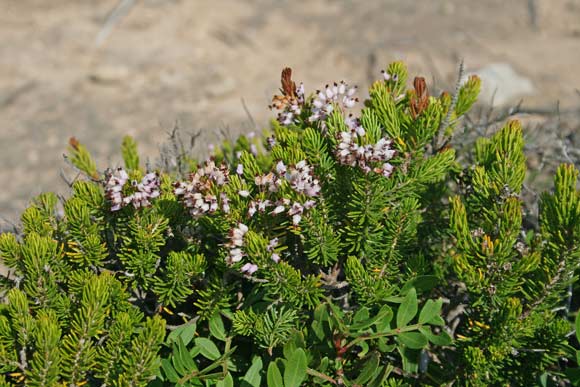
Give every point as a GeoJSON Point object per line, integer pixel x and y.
{"type": "Point", "coordinates": [500, 84]}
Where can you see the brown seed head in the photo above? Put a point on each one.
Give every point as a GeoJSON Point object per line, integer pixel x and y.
{"type": "Point", "coordinates": [74, 143]}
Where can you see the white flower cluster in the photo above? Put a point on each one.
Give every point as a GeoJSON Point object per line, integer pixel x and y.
{"type": "Point", "coordinates": [354, 125]}
{"type": "Point", "coordinates": [200, 196]}
{"type": "Point", "coordinates": [236, 243]}
{"type": "Point", "coordinates": [297, 210]}
{"type": "Point", "coordinates": [142, 194]}
{"type": "Point", "coordinates": [236, 253]}
{"type": "Point", "coordinates": [249, 268]}
{"type": "Point", "coordinates": [283, 205]}
{"type": "Point", "coordinates": [337, 94]}
{"type": "Point", "coordinates": [270, 182]}
{"type": "Point", "coordinates": [262, 205]}
{"type": "Point", "coordinates": [291, 105]}
{"type": "Point", "coordinates": [301, 179]}
{"type": "Point", "coordinates": [196, 193]}
{"type": "Point", "coordinates": [271, 246]}
{"type": "Point", "coordinates": [350, 153]}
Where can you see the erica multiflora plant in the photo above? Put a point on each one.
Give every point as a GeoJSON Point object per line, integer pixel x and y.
{"type": "Point", "coordinates": [344, 247]}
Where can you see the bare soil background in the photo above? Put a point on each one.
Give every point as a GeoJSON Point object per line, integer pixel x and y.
{"type": "Point", "coordinates": [194, 62]}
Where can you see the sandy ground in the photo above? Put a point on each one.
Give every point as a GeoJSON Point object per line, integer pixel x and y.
{"type": "Point", "coordinates": [194, 62]}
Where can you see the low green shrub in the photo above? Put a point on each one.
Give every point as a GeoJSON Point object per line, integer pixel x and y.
{"type": "Point", "coordinates": [335, 250]}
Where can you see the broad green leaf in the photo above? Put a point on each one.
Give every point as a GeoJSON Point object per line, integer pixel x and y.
{"type": "Point", "coordinates": [216, 327]}
{"type": "Point", "coordinates": [361, 315]}
{"type": "Point", "coordinates": [252, 378]}
{"type": "Point", "coordinates": [384, 316]}
{"type": "Point", "coordinates": [421, 283]}
{"type": "Point", "coordinates": [543, 380]}
{"type": "Point", "coordinates": [369, 369]}
{"type": "Point", "coordinates": [410, 359]}
{"type": "Point", "coordinates": [289, 348]}
{"type": "Point", "coordinates": [169, 371]}
{"type": "Point", "coordinates": [384, 346]}
{"type": "Point", "coordinates": [193, 352]}
{"type": "Point", "coordinates": [321, 313]}
{"type": "Point", "coordinates": [274, 376]}
{"type": "Point", "coordinates": [394, 299]}
{"type": "Point", "coordinates": [383, 323]}
{"type": "Point", "coordinates": [442, 338]}
{"type": "Point", "coordinates": [207, 348]}
{"type": "Point", "coordinates": [437, 320]}
{"type": "Point", "coordinates": [430, 310]}
{"type": "Point", "coordinates": [296, 341]}
{"type": "Point", "coordinates": [295, 371]}
{"type": "Point", "coordinates": [318, 330]}
{"type": "Point", "coordinates": [228, 381]}
{"type": "Point", "coordinates": [184, 357]}
{"type": "Point", "coordinates": [185, 331]}
{"type": "Point", "coordinates": [177, 361]}
{"type": "Point", "coordinates": [407, 309]}
{"type": "Point", "coordinates": [413, 340]}
{"type": "Point", "coordinates": [578, 326]}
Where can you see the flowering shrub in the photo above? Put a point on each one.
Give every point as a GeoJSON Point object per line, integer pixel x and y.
{"type": "Point", "coordinates": [343, 248]}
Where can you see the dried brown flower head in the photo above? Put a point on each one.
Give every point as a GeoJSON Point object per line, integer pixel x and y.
{"type": "Point", "coordinates": [419, 98]}
{"type": "Point", "coordinates": [74, 143]}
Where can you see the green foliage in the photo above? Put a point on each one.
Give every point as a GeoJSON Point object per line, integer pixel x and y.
{"type": "Point", "coordinates": [468, 95]}
{"type": "Point", "coordinates": [332, 250]}
{"type": "Point", "coordinates": [130, 153]}
{"type": "Point", "coordinates": [81, 158]}
{"type": "Point", "coordinates": [269, 329]}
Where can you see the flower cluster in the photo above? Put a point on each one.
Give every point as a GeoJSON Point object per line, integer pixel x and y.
{"type": "Point", "coordinates": [354, 125]}
{"type": "Point", "coordinates": [291, 101]}
{"type": "Point", "coordinates": [262, 205]}
{"type": "Point", "coordinates": [269, 182]}
{"type": "Point", "coordinates": [297, 210]}
{"type": "Point", "coordinates": [337, 94]}
{"type": "Point", "coordinates": [142, 192]}
{"type": "Point", "coordinates": [301, 179]}
{"type": "Point", "coordinates": [236, 253]}
{"type": "Point", "coordinates": [196, 194]}
{"type": "Point", "coordinates": [293, 108]}
{"type": "Point", "coordinates": [271, 246]}
{"type": "Point", "coordinates": [350, 153]}
{"type": "Point", "coordinates": [249, 268]}
{"type": "Point", "coordinates": [236, 243]}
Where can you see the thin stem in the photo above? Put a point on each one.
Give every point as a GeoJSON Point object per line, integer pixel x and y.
{"type": "Point", "coordinates": [320, 375]}
{"type": "Point", "coordinates": [383, 334]}
{"type": "Point", "coordinates": [440, 138]}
